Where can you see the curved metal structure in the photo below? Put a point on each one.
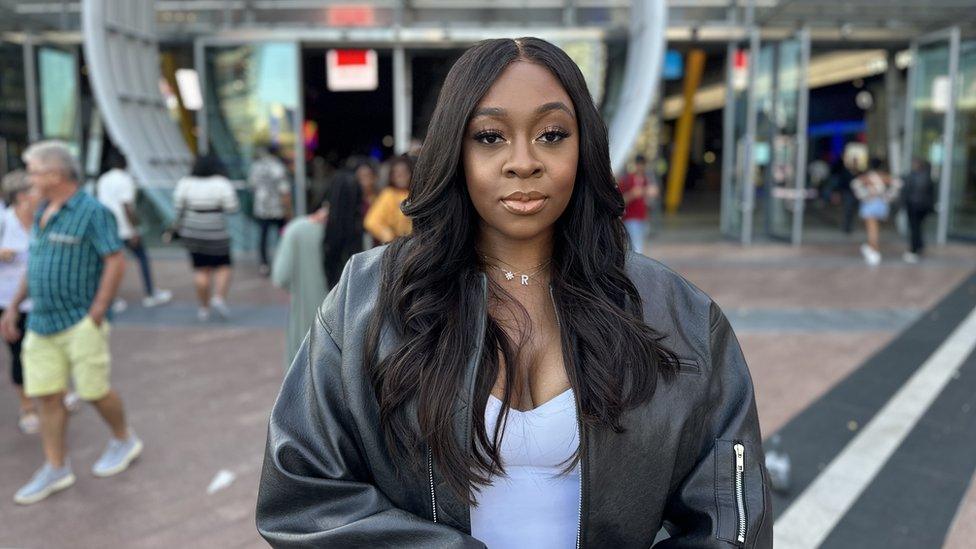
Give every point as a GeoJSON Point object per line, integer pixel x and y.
{"type": "Point", "coordinates": [121, 51]}
{"type": "Point", "coordinates": [645, 53]}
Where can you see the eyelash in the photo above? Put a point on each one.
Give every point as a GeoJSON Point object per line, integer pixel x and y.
{"type": "Point", "coordinates": [549, 131]}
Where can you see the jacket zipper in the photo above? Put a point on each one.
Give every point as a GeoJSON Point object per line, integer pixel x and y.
{"type": "Point", "coordinates": [430, 474]}
{"type": "Point", "coordinates": [740, 502]}
{"type": "Point", "coordinates": [579, 436]}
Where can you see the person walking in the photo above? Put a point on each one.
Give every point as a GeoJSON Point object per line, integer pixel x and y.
{"type": "Point", "coordinates": [203, 200]}
{"type": "Point", "coordinates": [384, 220]}
{"type": "Point", "coordinates": [918, 199]}
{"type": "Point", "coordinates": [268, 179]}
{"type": "Point", "coordinates": [15, 226]}
{"type": "Point", "coordinates": [297, 269]}
{"type": "Point", "coordinates": [73, 271]}
{"type": "Point", "coordinates": [637, 189]}
{"type": "Point", "coordinates": [116, 190]}
{"type": "Point", "coordinates": [840, 184]}
{"type": "Point", "coordinates": [876, 190]}
{"type": "Point", "coordinates": [511, 374]}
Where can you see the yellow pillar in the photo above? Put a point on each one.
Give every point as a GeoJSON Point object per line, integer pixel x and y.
{"type": "Point", "coordinates": [694, 67]}
{"type": "Point", "coordinates": [185, 118]}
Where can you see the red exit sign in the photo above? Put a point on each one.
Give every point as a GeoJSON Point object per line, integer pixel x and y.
{"type": "Point", "coordinates": [351, 16]}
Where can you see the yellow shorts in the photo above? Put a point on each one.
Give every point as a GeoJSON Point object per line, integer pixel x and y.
{"type": "Point", "coordinates": [80, 351]}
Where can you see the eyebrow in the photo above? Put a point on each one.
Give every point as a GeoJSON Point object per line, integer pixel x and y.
{"type": "Point", "coordinates": [542, 109]}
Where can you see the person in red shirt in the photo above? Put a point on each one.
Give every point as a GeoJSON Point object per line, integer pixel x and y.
{"type": "Point", "coordinates": [637, 189]}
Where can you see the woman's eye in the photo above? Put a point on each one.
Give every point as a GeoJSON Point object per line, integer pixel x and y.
{"type": "Point", "coordinates": [488, 138]}
{"type": "Point", "coordinates": [553, 136]}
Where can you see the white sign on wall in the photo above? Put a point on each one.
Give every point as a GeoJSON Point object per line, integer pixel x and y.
{"type": "Point", "coordinates": [351, 70]}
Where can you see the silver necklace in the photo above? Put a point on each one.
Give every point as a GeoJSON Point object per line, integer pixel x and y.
{"type": "Point", "coordinates": [512, 273]}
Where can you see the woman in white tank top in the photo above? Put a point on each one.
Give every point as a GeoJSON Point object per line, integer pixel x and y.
{"type": "Point", "coordinates": [510, 375]}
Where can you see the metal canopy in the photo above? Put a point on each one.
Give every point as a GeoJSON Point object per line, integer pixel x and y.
{"type": "Point", "coordinates": [859, 21]}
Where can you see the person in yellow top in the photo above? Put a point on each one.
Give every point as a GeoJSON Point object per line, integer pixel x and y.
{"type": "Point", "coordinates": [384, 220]}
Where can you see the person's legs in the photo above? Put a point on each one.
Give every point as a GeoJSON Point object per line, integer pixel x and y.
{"type": "Point", "coordinates": [222, 279]}
{"type": "Point", "coordinates": [635, 230]}
{"type": "Point", "coordinates": [873, 229]}
{"type": "Point", "coordinates": [111, 409]}
{"type": "Point", "coordinates": [201, 281]}
{"type": "Point", "coordinates": [139, 252]}
{"type": "Point", "coordinates": [46, 367]}
{"type": "Point", "coordinates": [54, 422]}
{"type": "Point", "coordinates": [264, 225]}
{"type": "Point", "coordinates": [916, 218]}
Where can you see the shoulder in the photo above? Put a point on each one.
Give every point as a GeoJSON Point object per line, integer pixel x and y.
{"type": "Point", "coordinates": [673, 306]}
{"type": "Point", "coordinates": [352, 300]}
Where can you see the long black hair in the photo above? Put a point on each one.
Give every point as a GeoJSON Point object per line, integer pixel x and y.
{"type": "Point", "coordinates": [344, 229]}
{"type": "Point", "coordinates": [431, 287]}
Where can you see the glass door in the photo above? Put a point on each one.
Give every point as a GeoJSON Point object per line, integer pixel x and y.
{"type": "Point", "coordinates": [962, 186]}
{"type": "Point", "coordinates": [930, 114]}
{"type": "Point", "coordinates": [781, 142]}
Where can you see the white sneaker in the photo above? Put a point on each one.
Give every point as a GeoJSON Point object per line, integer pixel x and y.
{"type": "Point", "coordinates": [119, 305]}
{"type": "Point", "coordinates": [29, 423]}
{"type": "Point", "coordinates": [870, 255]}
{"type": "Point", "coordinates": [909, 257]}
{"type": "Point", "coordinates": [220, 307]}
{"type": "Point", "coordinates": [72, 401]}
{"type": "Point", "coordinates": [160, 297]}
{"type": "Point", "coordinates": [203, 314]}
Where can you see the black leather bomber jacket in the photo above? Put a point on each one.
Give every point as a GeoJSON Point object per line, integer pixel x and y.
{"type": "Point", "coordinates": [690, 459]}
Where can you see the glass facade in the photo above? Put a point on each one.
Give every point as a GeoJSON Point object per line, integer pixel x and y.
{"type": "Point", "coordinates": [59, 96]}
{"type": "Point", "coordinates": [931, 99]}
{"type": "Point", "coordinates": [252, 96]}
{"type": "Point", "coordinates": [13, 106]}
{"type": "Point", "coordinates": [962, 193]}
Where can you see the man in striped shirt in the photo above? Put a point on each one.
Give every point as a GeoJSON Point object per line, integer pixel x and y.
{"type": "Point", "coordinates": [73, 271]}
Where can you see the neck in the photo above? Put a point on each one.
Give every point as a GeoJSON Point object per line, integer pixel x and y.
{"type": "Point", "coordinates": [24, 213]}
{"type": "Point", "coordinates": [519, 253]}
{"type": "Point", "coordinates": [57, 196]}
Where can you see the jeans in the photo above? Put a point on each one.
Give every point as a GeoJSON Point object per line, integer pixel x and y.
{"type": "Point", "coordinates": [637, 230]}
{"type": "Point", "coordinates": [139, 252]}
{"type": "Point", "coordinates": [263, 226]}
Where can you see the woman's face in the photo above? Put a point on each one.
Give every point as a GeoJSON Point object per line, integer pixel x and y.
{"type": "Point", "coordinates": [366, 178]}
{"type": "Point", "coordinates": [400, 175]}
{"type": "Point", "coordinates": [520, 152]}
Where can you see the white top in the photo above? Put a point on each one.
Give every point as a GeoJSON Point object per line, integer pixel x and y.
{"type": "Point", "coordinates": [534, 504]}
{"type": "Point", "coordinates": [115, 189]}
{"type": "Point", "coordinates": [206, 193]}
{"type": "Point", "coordinates": [13, 236]}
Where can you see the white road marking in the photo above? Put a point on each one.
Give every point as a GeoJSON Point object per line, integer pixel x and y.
{"type": "Point", "coordinates": [815, 513]}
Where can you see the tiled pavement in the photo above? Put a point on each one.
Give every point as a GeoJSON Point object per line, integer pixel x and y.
{"type": "Point", "coordinates": [199, 394]}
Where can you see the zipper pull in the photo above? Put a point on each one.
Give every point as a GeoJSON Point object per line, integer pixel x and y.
{"type": "Point", "coordinates": [739, 458]}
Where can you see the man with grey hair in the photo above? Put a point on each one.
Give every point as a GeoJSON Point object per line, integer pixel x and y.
{"type": "Point", "coordinates": [73, 271]}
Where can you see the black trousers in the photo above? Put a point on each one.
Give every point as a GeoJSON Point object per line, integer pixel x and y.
{"type": "Point", "coordinates": [263, 226]}
{"type": "Point", "coordinates": [916, 220]}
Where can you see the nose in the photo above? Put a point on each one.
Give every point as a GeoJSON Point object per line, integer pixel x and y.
{"type": "Point", "coordinates": [523, 163]}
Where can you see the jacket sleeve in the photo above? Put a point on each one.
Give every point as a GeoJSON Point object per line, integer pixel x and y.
{"type": "Point", "coordinates": [707, 507]}
{"type": "Point", "coordinates": [315, 488]}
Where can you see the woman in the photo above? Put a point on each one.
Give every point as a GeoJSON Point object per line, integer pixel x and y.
{"type": "Point", "coordinates": [510, 375]}
{"type": "Point", "coordinates": [15, 228]}
{"type": "Point", "coordinates": [203, 200]}
{"type": "Point", "coordinates": [384, 220]}
{"type": "Point", "coordinates": [876, 190]}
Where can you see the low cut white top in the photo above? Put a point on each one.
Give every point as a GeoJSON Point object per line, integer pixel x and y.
{"type": "Point", "coordinates": [534, 504]}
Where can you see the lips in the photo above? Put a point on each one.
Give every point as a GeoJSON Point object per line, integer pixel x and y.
{"type": "Point", "coordinates": [522, 203]}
